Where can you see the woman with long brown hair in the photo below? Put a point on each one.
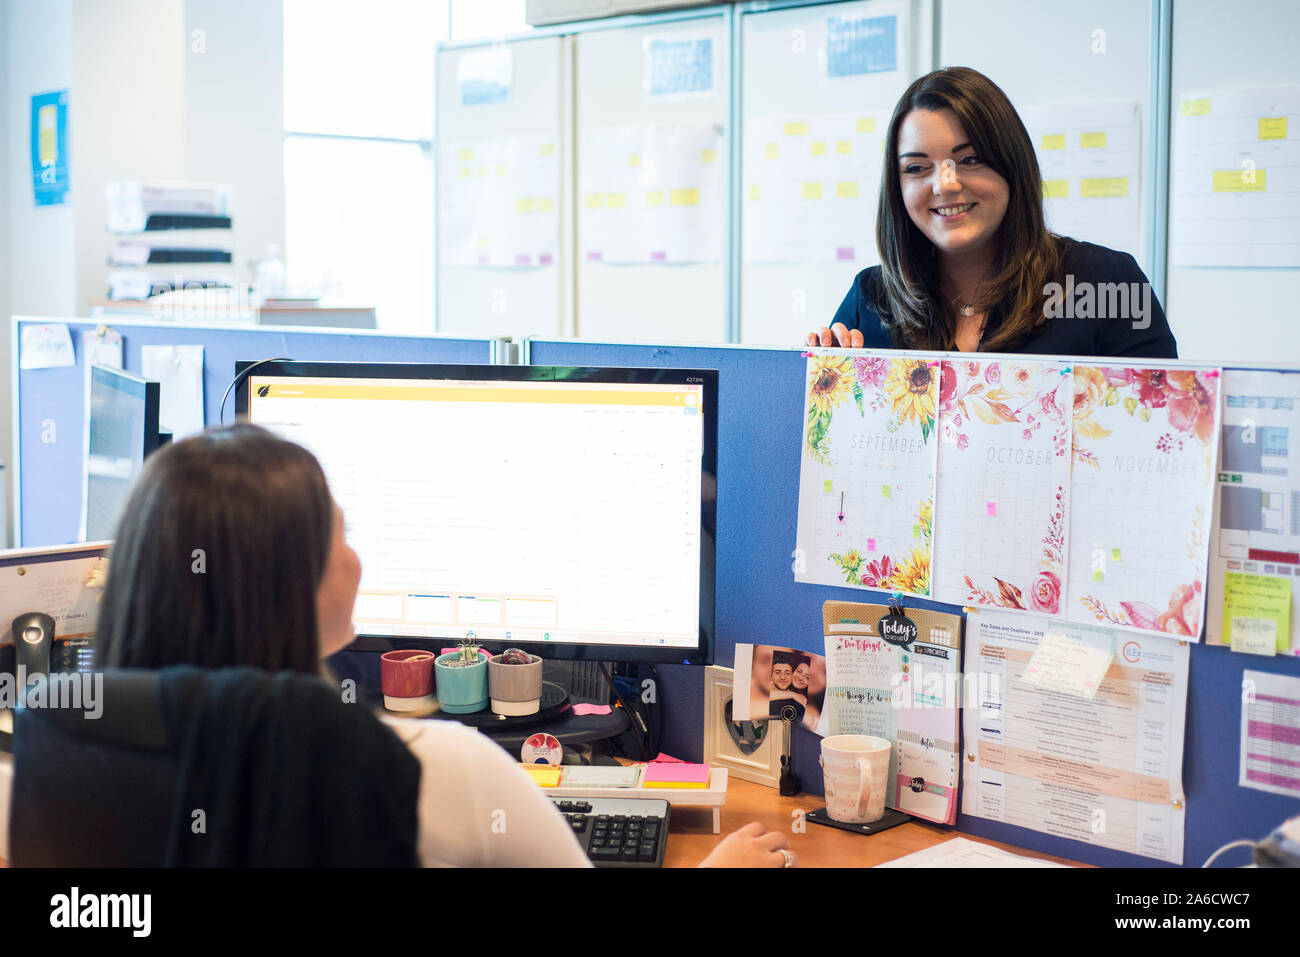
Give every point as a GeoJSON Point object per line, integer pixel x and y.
{"type": "Point", "coordinates": [967, 261]}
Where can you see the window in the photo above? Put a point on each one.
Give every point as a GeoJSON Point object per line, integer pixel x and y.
{"type": "Point", "coordinates": [359, 152]}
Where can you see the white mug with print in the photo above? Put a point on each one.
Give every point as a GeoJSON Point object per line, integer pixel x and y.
{"type": "Point", "coordinates": [855, 768]}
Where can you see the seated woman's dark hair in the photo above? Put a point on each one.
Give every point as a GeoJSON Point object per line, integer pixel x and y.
{"type": "Point", "coordinates": [218, 557]}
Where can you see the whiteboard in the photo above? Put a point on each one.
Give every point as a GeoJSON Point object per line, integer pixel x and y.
{"type": "Point", "coordinates": [477, 131]}
{"type": "Point", "coordinates": [658, 301]}
{"type": "Point", "coordinates": [789, 87]}
{"type": "Point", "coordinates": [1055, 55]}
{"type": "Point", "coordinates": [1245, 314]}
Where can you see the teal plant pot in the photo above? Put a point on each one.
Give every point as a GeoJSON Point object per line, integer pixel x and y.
{"type": "Point", "coordinates": [461, 690]}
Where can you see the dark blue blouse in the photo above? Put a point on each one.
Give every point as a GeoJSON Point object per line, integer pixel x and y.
{"type": "Point", "coordinates": [1105, 307]}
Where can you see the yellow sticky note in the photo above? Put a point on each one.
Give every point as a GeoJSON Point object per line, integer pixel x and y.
{"type": "Point", "coordinates": [866, 124]}
{"type": "Point", "coordinates": [546, 205]}
{"type": "Point", "coordinates": [545, 775]}
{"type": "Point", "coordinates": [524, 205]}
{"type": "Point", "coordinates": [593, 201]}
{"type": "Point", "coordinates": [827, 486]}
{"type": "Point", "coordinates": [483, 242]}
{"type": "Point", "coordinates": [1092, 141]}
{"type": "Point", "coordinates": [769, 151]}
{"type": "Point", "coordinates": [654, 197]}
{"type": "Point", "coordinates": [1115, 554]}
{"type": "Point", "coordinates": [684, 197]}
{"type": "Point", "coordinates": [615, 200]}
{"type": "Point", "coordinates": [843, 146]}
{"type": "Point", "coordinates": [1272, 127]}
{"type": "Point", "coordinates": [796, 129]}
{"type": "Point", "coordinates": [812, 190]}
{"type": "Point", "coordinates": [1056, 189]}
{"type": "Point", "coordinates": [466, 172]}
{"type": "Point", "coordinates": [819, 148]}
{"type": "Point", "coordinates": [634, 160]}
{"type": "Point", "coordinates": [847, 190]}
{"type": "Point", "coordinates": [1199, 107]}
{"type": "Point", "coordinates": [1239, 181]}
{"type": "Point", "coordinates": [1105, 186]}
{"type": "Point", "coordinates": [1096, 575]}
{"type": "Point", "coordinates": [503, 171]}
{"type": "Point", "coordinates": [709, 156]}
{"type": "Point", "coordinates": [755, 191]}
{"type": "Point", "coordinates": [547, 149]}
{"type": "Point", "coordinates": [483, 170]}
{"type": "Point", "coordinates": [1053, 141]}
{"type": "Point", "coordinates": [884, 491]}
{"type": "Point", "coordinates": [465, 156]}
{"type": "Point", "coordinates": [1256, 607]}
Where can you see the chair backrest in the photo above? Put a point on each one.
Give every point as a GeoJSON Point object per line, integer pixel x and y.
{"type": "Point", "coordinates": [94, 792]}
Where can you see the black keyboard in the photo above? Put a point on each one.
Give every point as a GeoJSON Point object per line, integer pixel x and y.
{"type": "Point", "coordinates": [619, 832]}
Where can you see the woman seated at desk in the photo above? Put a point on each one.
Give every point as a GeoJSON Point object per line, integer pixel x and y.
{"type": "Point", "coordinates": [967, 262]}
{"type": "Point", "coordinates": [277, 593]}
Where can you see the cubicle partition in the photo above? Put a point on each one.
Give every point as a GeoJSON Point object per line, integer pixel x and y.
{"type": "Point", "coordinates": [49, 404]}
{"type": "Point", "coordinates": [758, 601]}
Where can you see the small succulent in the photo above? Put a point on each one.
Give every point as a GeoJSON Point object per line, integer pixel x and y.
{"type": "Point", "coordinates": [468, 653]}
{"type": "Point", "coordinates": [513, 656]}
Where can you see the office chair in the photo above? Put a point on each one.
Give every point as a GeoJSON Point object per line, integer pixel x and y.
{"type": "Point", "coordinates": [104, 792]}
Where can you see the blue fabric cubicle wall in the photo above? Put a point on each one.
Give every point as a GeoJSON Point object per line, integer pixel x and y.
{"type": "Point", "coordinates": [50, 402]}
{"type": "Point", "coordinates": [760, 415]}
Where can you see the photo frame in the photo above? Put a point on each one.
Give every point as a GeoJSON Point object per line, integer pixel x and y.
{"type": "Point", "coordinates": [750, 750]}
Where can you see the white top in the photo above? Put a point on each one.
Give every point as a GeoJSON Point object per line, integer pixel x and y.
{"type": "Point", "coordinates": [478, 807]}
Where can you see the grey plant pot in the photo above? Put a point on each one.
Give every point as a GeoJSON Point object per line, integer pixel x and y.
{"type": "Point", "coordinates": [515, 689]}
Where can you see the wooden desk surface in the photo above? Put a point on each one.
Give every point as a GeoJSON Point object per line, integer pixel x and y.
{"type": "Point", "coordinates": [692, 838]}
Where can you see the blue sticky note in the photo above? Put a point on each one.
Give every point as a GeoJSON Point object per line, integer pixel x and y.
{"type": "Point", "coordinates": [861, 45]}
{"type": "Point", "coordinates": [50, 182]}
{"type": "Point", "coordinates": [679, 67]}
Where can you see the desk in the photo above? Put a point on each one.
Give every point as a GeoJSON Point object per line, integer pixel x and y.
{"type": "Point", "coordinates": [692, 839]}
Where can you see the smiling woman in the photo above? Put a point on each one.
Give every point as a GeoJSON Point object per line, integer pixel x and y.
{"type": "Point", "coordinates": [967, 261]}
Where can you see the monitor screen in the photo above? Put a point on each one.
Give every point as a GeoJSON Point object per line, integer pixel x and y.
{"type": "Point", "coordinates": [566, 511]}
{"type": "Point", "coordinates": [121, 429]}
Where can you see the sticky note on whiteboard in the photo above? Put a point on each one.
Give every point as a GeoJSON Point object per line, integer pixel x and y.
{"type": "Point", "coordinates": [871, 544]}
{"type": "Point", "coordinates": [866, 124]}
{"type": "Point", "coordinates": [828, 486]}
{"type": "Point", "coordinates": [1092, 141]}
{"type": "Point", "coordinates": [847, 190]}
{"type": "Point", "coordinates": [1056, 189]}
{"type": "Point", "coordinates": [884, 491]}
{"type": "Point", "coordinates": [812, 190]}
{"type": "Point", "coordinates": [1239, 180]}
{"type": "Point", "coordinates": [769, 151]}
{"type": "Point", "coordinates": [796, 129]}
{"type": "Point", "coordinates": [992, 509]}
{"type": "Point", "coordinates": [1103, 187]}
{"type": "Point", "coordinates": [1053, 141]}
{"type": "Point", "coordinates": [1198, 107]}
{"type": "Point", "coordinates": [1272, 127]}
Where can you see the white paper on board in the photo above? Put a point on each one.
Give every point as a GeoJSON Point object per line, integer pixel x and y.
{"type": "Point", "coordinates": [179, 369]}
{"type": "Point", "coordinates": [46, 346]}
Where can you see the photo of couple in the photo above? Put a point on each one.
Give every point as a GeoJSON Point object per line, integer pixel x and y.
{"type": "Point", "coordinates": [787, 677]}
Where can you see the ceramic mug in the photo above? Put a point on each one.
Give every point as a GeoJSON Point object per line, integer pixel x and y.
{"type": "Point", "coordinates": [855, 769]}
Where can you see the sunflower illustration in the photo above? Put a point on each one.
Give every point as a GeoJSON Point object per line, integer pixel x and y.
{"type": "Point", "coordinates": [912, 390]}
{"type": "Point", "coordinates": [913, 573]}
{"type": "Point", "coordinates": [830, 381]}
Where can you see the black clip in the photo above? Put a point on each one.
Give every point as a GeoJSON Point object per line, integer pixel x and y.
{"type": "Point", "coordinates": [896, 604]}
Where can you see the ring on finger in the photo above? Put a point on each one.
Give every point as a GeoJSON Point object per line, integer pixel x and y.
{"type": "Point", "coordinates": [789, 857]}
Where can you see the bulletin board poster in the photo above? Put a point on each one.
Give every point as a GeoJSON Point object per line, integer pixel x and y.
{"type": "Point", "coordinates": [50, 148]}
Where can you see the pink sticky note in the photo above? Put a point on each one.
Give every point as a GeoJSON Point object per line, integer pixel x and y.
{"type": "Point", "coordinates": [591, 709]}
{"type": "Point", "coordinates": [675, 774]}
{"type": "Point", "coordinates": [871, 544]}
{"type": "Point", "coordinates": [993, 509]}
{"type": "Point", "coordinates": [667, 759]}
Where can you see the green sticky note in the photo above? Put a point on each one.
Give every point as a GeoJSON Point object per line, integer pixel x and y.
{"type": "Point", "coordinates": [826, 485]}
{"type": "Point", "coordinates": [884, 491]}
{"type": "Point", "coordinates": [1114, 554]}
{"type": "Point", "coordinates": [1255, 609]}
{"type": "Point", "coordinates": [1096, 574]}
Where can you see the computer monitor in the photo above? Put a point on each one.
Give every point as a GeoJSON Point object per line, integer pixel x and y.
{"type": "Point", "coordinates": [121, 430]}
{"type": "Point", "coordinates": [566, 511]}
